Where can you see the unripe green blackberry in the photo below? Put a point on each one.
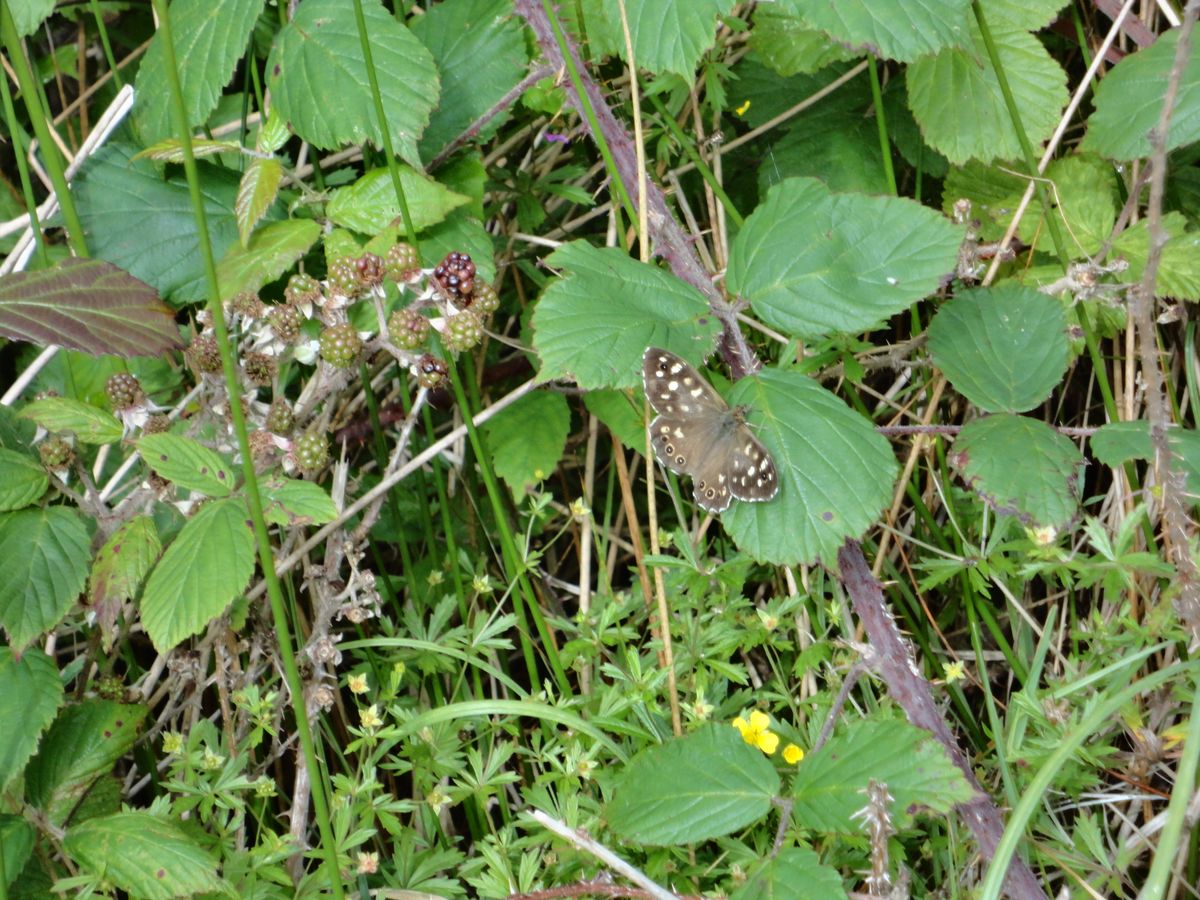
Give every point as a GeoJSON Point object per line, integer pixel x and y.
{"type": "Point", "coordinates": [302, 289]}
{"type": "Point", "coordinates": [285, 323]}
{"type": "Point", "coordinates": [124, 392]}
{"type": "Point", "coordinates": [55, 453]}
{"type": "Point", "coordinates": [431, 371]}
{"type": "Point", "coordinates": [407, 328]}
{"type": "Point", "coordinates": [259, 368]}
{"type": "Point", "coordinates": [463, 332]}
{"type": "Point", "coordinates": [280, 417]}
{"type": "Point", "coordinates": [371, 270]}
{"type": "Point", "coordinates": [343, 277]}
{"type": "Point", "coordinates": [340, 345]}
{"type": "Point", "coordinates": [485, 300]}
{"type": "Point", "coordinates": [204, 354]}
{"type": "Point", "coordinates": [247, 304]}
{"type": "Point", "coordinates": [158, 424]}
{"type": "Point", "coordinates": [311, 452]}
{"type": "Point", "coordinates": [402, 262]}
{"type": "Point", "coordinates": [110, 687]}
{"type": "Point", "coordinates": [455, 278]}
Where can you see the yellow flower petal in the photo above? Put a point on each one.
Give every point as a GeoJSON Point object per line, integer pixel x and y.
{"type": "Point", "coordinates": [759, 720]}
{"type": "Point", "coordinates": [792, 754]}
{"type": "Point", "coordinates": [768, 742]}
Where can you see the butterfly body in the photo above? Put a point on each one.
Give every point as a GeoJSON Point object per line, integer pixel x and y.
{"type": "Point", "coordinates": [696, 433]}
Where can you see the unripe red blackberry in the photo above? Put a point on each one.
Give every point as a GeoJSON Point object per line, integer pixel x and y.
{"type": "Point", "coordinates": [311, 452]}
{"type": "Point", "coordinates": [280, 417]}
{"type": "Point", "coordinates": [247, 304]}
{"type": "Point", "coordinates": [485, 300]}
{"type": "Point", "coordinates": [259, 368]}
{"type": "Point", "coordinates": [157, 424]}
{"type": "Point", "coordinates": [431, 371]}
{"type": "Point", "coordinates": [371, 270]}
{"type": "Point", "coordinates": [124, 392]}
{"type": "Point", "coordinates": [340, 345]}
{"type": "Point", "coordinates": [402, 262]}
{"type": "Point", "coordinates": [343, 277]}
{"type": "Point", "coordinates": [302, 289]}
{"type": "Point", "coordinates": [463, 331]}
{"type": "Point", "coordinates": [55, 453]}
{"type": "Point", "coordinates": [285, 323]}
{"type": "Point", "coordinates": [407, 328]}
{"type": "Point", "coordinates": [455, 278]}
{"type": "Point", "coordinates": [204, 355]}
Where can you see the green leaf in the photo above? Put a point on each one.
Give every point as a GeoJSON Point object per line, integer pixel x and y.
{"type": "Point", "coordinates": [692, 788]}
{"type": "Point", "coordinates": [669, 36]}
{"type": "Point", "coordinates": [256, 193]}
{"type": "Point", "coordinates": [44, 557]}
{"type": "Point", "coordinates": [1020, 467]}
{"type": "Point", "coordinates": [135, 219]}
{"type": "Point", "coordinates": [833, 142]}
{"type": "Point", "coordinates": [81, 746]}
{"type": "Point", "coordinates": [16, 845]}
{"type": "Point", "coordinates": [776, 878]}
{"type": "Point", "coordinates": [788, 46]}
{"type": "Point", "coordinates": [88, 305]}
{"type": "Point", "coordinates": [1032, 15]}
{"type": "Point", "coordinates": [89, 424]}
{"type": "Point", "coordinates": [28, 16]}
{"type": "Point", "coordinates": [1179, 268]}
{"type": "Point", "coordinates": [144, 855]}
{"type": "Point", "coordinates": [595, 322]}
{"type": "Point", "coordinates": [120, 566]}
{"type": "Point", "coordinates": [288, 501]}
{"type": "Point", "coordinates": [1185, 444]}
{"type": "Point", "coordinates": [30, 693]}
{"type": "Point", "coordinates": [272, 250]}
{"type": "Point", "coordinates": [1117, 443]}
{"type": "Point", "coordinates": [829, 784]}
{"type": "Point", "coordinates": [992, 191]}
{"type": "Point", "coordinates": [835, 471]}
{"type": "Point", "coordinates": [620, 415]}
{"type": "Point", "coordinates": [369, 205]}
{"type": "Point", "coordinates": [956, 98]}
{"type": "Point", "coordinates": [22, 480]}
{"type": "Point", "coordinates": [187, 463]}
{"type": "Point", "coordinates": [812, 262]}
{"type": "Point", "coordinates": [209, 38]}
{"type": "Point", "coordinates": [891, 29]}
{"type": "Point", "coordinates": [318, 78]}
{"type": "Point", "coordinates": [479, 49]}
{"type": "Point", "coordinates": [527, 440]}
{"type": "Point", "coordinates": [1004, 348]}
{"type": "Point", "coordinates": [203, 571]}
{"type": "Point", "coordinates": [1129, 101]}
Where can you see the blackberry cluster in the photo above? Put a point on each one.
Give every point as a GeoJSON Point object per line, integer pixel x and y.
{"type": "Point", "coordinates": [124, 392]}
{"type": "Point", "coordinates": [311, 452]}
{"type": "Point", "coordinates": [340, 345]}
{"type": "Point", "coordinates": [259, 368]}
{"type": "Point", "coordinates": [204, 354]}
{"type": "Point", "coordinates": [407, 328]}
{"type": "Point", "coordinates": [370, 269]}
{"type": "Point", "coordinates": [431, 371]}
{"type": "Point", "coordinates": [343, 277]}
{"type": "Point", "coordinates": [302, 289]}
{"type": "Point", "coordinates": [463, 331]}
{"type": "Point", "coordinates": [402, 262]}
{"type": "Point", "coordinates": [455, 278]}
{"type": "Point", "coordinates": [285, 323]}
{"type": "Point", "coordinates": [247, 304]}
{"type": "Point", "coordinates": [55, 453]}
{"type": "Point", "coordinates": [280, 417]}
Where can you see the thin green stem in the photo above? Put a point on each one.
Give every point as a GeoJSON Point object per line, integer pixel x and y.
{"type": "Point", "coordinates": [20, 149]}
{"type": "Point", "coordinates": [287, 655]}
{"type": "Point", "coordinates": [702, 167]}
{"type": "Point", "coordinates": [108, 54]}
{"type": "Point", "coordinates": [885, 145]}
{"type": "Point", "coordinates": [51, 158]}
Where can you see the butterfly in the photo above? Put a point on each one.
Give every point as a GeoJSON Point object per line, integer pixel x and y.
{"type": "Point", "coordinates": [696, 433]}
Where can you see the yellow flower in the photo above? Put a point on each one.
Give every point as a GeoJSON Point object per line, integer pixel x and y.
{"type": "Point", "coordinates": [579, 509]}
{"type": "Point", "coordinates": [756, 732]}
{"type": "Point", "coordinates": [172, 742]}
{"type": "Point", "coordinates": [358, 683]}
{"type": "Point", "coordinates": [437, 800]}
{"type": "Point", "coordinates": [1043, 535]}
{"type": "Point", "coordinates": [954, 671]}
{"type": "Point", "coordinates": [741, 110]}
{"type": "Point", "coordinates": [792, 754]}
{"type": "Point", "coordinates": [369, 717]}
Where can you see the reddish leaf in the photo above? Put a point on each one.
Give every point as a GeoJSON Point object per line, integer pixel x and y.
{"type": "Point", "coordinates": [88, 305]}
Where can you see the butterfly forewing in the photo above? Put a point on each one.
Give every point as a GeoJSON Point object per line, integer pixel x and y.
{"type": "Point", "coordinates": [697, 434]}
